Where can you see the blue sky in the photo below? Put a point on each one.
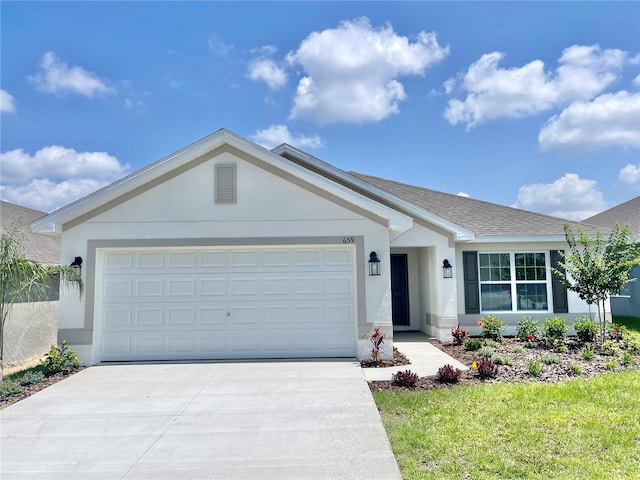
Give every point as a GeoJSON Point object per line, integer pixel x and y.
{"type": "Point", "coordinates": [534, 105]}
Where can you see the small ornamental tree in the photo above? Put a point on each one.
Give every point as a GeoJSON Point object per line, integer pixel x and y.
{"type": "Point", "coordinates": [598, 268]}
{"type": "Point", "coordinates": [23, 280]}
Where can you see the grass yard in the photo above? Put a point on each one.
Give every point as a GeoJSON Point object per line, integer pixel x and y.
{"type": "Point", "coordinates": [579, 429]}
{"type": "Point", "coordinates": [630, 322]}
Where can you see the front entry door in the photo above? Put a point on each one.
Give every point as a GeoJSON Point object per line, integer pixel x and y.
{"type": "Point", "coordinates": [399, 290]}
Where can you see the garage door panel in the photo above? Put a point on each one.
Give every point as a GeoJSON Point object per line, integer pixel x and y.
{"type": "Point", "coordinates": [118, 288]}
{"type": "Point", "coordinates": [213, 316]}
{"type": "Point", "coordinates": [149, 317]}
{"type": "Point", "coordinates": [213, 303]}
{"type": "Point", "coordinates": [150, 260]}
{"type": "Point", "coordinates": [149, 287]}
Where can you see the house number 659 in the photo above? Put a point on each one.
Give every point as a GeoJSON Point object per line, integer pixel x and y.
{"type": "Point", "coordinates": [348, 239]}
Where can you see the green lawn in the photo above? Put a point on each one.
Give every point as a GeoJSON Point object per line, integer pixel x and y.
{"type": "Point", "coordinates": [629, 322]}
{"type": "Point", "coordinates": [580, 429]}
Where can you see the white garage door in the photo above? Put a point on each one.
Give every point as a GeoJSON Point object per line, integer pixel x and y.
{"type": "Point", "coordinates": [212, 303]}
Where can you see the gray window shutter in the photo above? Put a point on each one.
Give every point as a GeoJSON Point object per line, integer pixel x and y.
{"type": "Point", "coordinates": [558, 290]}
{"type": "Point", "coordinates": [471, 283]}
{"type": "Point", "coordinates": [225, 184]}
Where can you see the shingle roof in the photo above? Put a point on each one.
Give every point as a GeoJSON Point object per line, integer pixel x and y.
{"type": "Point", "coordinates": [37, 247]}
{"type": "Point", "coordinates": [627, 213]}
{"type": "Point", "coordinates": [483, 218]}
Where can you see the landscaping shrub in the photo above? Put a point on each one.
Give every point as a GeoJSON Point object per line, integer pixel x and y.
{"type": "Point", "coordinates": [586, 329]}
{"type": "Point", "coordinates": [459, 334]}
{"type": "Point", "coordinates": [485, 352]}
{"type": "Point", "coordinates": [449, 374]}
{"type": "Point", "coordinates": [492, 327]}
{"type": "Point", "coordinates": [405, 378]}
{"type": "Point", "coordinates": [376, 339]}
{"type": "Point", "coordinates": [534, 367]}
{"type": "Point", "coordinates": [60, 358]}
{"type": "Point", "coordinates": [626, 359]}
{"type": "Point", "coordinates": [616, 332]}
{"type": "Point", "coordinates": [576, 368]}
{"type": "Point", "coordinates": [609, 348]}
{"type": "Point", "coordinates": [611, 365]}
{"type": "Point", "coordinates": [631, 342]}
{"type": "Point", "coordinates": [548, 359]}
{"type": "Point", "coordinates": [487, 342]}
{"type": "Point", "coordinates": [519, 350]}
{"type": "Point", "coordinates": [8, 388]}
{"type": "Point", "coordinates": [587, 352]}
{"type": "Point", "coordinates": [555, 330]}
{"type": "Point", "coordinates": [502, 360]}
{"type": "Point", "coordinates": [486, 368]}
{"type": "Point", "coordinates": [528, 329]}
{"type": "Point", "coordinates": [31, 377]}
{"type": "Point", "coordinates": [472, 344]}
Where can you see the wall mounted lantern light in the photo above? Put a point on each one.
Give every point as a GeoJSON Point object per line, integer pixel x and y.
{"type": "Point", "coordinates": [374, 264]}
{"type": "Point", "coordinates": [77, 265]}
{"type": "Point", "coordinates": [447, 269]}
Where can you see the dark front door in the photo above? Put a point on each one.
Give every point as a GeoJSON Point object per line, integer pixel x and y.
{"type": "Point", "coordinates": [399, 290]}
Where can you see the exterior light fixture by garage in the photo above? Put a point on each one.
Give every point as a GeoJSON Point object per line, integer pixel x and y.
{"type": "Point", "coordinates": [447, 269]}
{"type": "Point", "coordinates": [374, 264]}
{"type": "Point", "coordinates": [77, 264]}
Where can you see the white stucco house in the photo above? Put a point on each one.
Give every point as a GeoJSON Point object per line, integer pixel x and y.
{"type": "Point", "coordinates": [227, 250]}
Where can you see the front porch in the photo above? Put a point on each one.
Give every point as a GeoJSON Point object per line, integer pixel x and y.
{"type": "Point", "coordinates": [421, 298]}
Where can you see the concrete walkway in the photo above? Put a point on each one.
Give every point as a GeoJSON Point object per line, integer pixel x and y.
{"type": "Point", "coordinates": [313, 420]}
{"type": "Point", "coordinates": [425, 358]}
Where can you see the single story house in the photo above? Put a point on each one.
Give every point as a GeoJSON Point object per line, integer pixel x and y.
{"type": "Point", "coordinates": [30, 329]}
{"type": "Point", "coordinates": [627, 303]}
{"type": "Point", "coordinates": [225, 250]}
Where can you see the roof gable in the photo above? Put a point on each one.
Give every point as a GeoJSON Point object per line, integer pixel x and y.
{"type": "Point", "coordinates": [122, 190]}
{"type": "Point", "coordinates": [627, 213]}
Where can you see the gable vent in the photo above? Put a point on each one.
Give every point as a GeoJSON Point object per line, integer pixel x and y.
{"type": "Point", "coordinates": [225, 184]}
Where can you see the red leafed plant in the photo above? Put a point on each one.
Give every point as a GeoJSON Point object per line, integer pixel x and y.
{"type": "Point", "coordinates": [377, 339]}
{"type": "Point", "coordinates": [405, 378]}
{"type": "Point", "coordinates": [459, 334]}
{"type": "Point", "coordinates": [487, 368]}
{"type": "Point", "coordinates": [449, 374]}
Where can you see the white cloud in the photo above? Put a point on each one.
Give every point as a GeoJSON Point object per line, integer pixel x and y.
{"type": "Point", "coordinates": [7, 103]}
{"type": "Point", "coordinates": [463, 194]}
{"type": "Point", "coordinates": [630, 174]}
{"type": "Point", "coordinates": [266, 70]}
{"type": "Point", "coordinates": [636, 81]}
{"type": "Point", "coordinates": [55, 176]}
{"type": "Point", "coordinates": [610, 119]}
{"type": "Point", "coordinates": [46, 195]}
{"type": "Point", "coordinates": [219, 47]}
{"type": "Point", "coordinates": [569, 197]}
{"type": "Point", "coordinates": [494, 92]}
{"type": "Point", "coordinates": [351, 72]}
{"type": "Point", "coordinates": [276, 135]}
{"type": "Point", "coordinates": [56, 76]}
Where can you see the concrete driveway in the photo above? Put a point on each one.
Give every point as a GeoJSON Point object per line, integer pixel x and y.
{"type": "Point", "coordinates": [254, 420]}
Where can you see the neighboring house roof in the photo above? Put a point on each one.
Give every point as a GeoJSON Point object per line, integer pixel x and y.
{"type": "Point", "coordinates": [483, 218]}
{"type": "Point", "coordinates": [627, 213]}
{"type": "Point", "coordinates": [40, 248]}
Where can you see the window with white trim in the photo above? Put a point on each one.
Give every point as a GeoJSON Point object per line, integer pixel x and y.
{"type": "Point", "coordinates": [514, 282]}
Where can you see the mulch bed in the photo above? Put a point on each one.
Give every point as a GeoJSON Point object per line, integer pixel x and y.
{"type": "Point", "coordinates": [28, 390]}
{"type": "Point", "coordinates": [515, 373]}
{"type": "Point", "coordinates": [518, 372]}
{"type": "Point", "coordinates": [398, 359]}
